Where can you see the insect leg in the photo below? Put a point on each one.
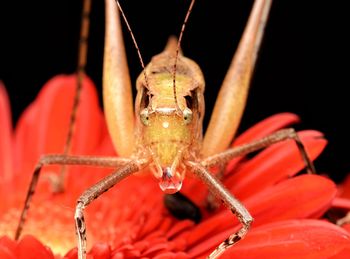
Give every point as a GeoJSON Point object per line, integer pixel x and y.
{"type": "Point", "coordinates": [94, 192]}
{"type": "Point", "coordinates": [224, 157]}
{"type": "Point", "coordinates": [278, 136]}
{"type": "Point", "coordinates": [220, 192]}
{"type": "Point", "coordinates": [231, 99]}
{"type": "Point", "coordinates": [58, 184]}
{"type": "Point", "coordinates": [112, 162]}
{"type": "Point", "coordinates": [211, 203]}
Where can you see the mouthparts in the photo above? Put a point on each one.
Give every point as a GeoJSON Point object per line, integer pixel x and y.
{"type": "Point", "coordinates": [170, 182]}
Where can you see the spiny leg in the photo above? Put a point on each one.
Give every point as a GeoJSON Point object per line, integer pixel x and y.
{"type": "Point", "coordinates": [220, 192]}
{"type": "Point", "coordinates": [57, 182]}
{"type": "Point", "coordinates": [94, 192]}
{"type": "Point", "coordinates": [276, 137]}
{"type": "Point", "coordinates": [281, 135]}
{"type": "Point", "coordinates": [211, 203]}
{"type": "Point", "coordinates": [113, 162]}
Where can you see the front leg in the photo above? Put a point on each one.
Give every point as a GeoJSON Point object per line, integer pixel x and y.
{"type": "Point", "coordinates": [220, 192]}
{"type": "Point", "coordinates": [94, 192]}
{"type": "Point", "coordinates": [113, 162]}
{"type": "Point", "coordinates": [221, 159]}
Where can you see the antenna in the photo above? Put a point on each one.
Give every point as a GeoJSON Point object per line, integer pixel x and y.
{"type": "Point", "coordinates": [135, 43]}
{"type": "Point", "coordinates": [178, 50]}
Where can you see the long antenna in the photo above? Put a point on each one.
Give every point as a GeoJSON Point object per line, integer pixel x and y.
{"type": "Point", "coordinates": [178, 50]}
{"type": "Point", "coordinates": [135, 43]}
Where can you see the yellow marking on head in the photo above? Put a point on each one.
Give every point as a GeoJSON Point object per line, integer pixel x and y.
{"type": "Point", "coordinates": [166, 135]}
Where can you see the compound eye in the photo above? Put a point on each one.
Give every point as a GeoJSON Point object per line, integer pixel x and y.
{"type": "Point", "coordinates": [187, 115]}
{"type": "Point", "coordinates": [144, 116]}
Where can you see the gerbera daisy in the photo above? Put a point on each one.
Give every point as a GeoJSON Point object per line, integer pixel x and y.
{"type": "Point", "coordinates": [130, 220]}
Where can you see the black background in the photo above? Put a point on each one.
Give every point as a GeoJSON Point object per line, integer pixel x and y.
{"type": "Point", "coordinates": [302, 67]}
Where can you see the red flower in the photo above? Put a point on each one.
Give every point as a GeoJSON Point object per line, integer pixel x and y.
{"type": "Point", "coordinates": [130, 220]}
{"type": "Point", "coordinates": [341, 205]}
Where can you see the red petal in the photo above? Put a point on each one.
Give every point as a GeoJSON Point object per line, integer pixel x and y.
{"type": "Point", "coordinates": [141, 245]}
{"type": "Point", "coordinates": [151, 224]}
{"type": "Point", "coordinates": [9, 243]}
{"type": "Point", "coordinates": [341, 203]}
{"type": "Point", "coordinates": [44, 125]}
{"type": "Point", "coordinates": [345, 188]}
{"type": "Point", "coordinates": [344, 254]}
{"type": "Point", "coordinates": [72, 254]}
{"type": "Point", "coordinates": [5, 137]}
{"type": "Point", "coordinates": [292, 239]}
{"type": "Point", "coordinates": [172, 256]}
{"type": "Point", "coordinates": [5, 253]}
{"type": "Point", "coordinates": [100, 251]}
{"type": "Point", "coordinates": [262, 129]}
{"type": "Point", "coordinates": [285, 239]}
{"type": "Point", "coordinates": [7, 248]}
{"type": "Point", "coordinates": [156, 248]}
{"type": "Point", "coordinates": [305, 196]}
{"type": "Point", "coordinates": [301, 197]}
{"type": "Point", "coordinates": [178, 228]}
{"type": "Point", "coordinates": [126, 251]}
{"type": "Point", "coordinates": [31, 248]}
{"type": "Point", "coordinates": [266, 127]}
{"type": "Point", "coordinates": [207, 227]}
{"type": "Point", "coordinates": [346, 226]}
{"type": "Point", "coordinates": [274, 164]}
{"type": "Point", "coordinates": [296, 198]}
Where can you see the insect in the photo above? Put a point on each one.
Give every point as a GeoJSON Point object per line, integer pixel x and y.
{"type": "Point", "coordinates": [166, 136]}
